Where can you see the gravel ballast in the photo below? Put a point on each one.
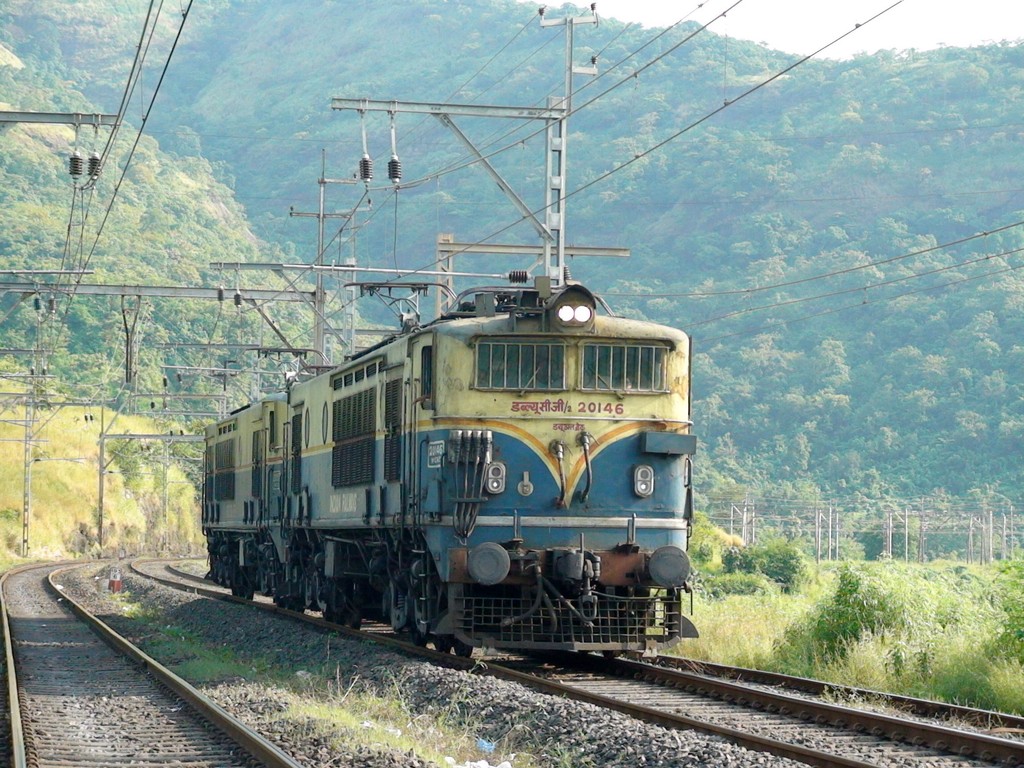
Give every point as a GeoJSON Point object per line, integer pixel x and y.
{"type": "Point", "coordinates": [496, 715]}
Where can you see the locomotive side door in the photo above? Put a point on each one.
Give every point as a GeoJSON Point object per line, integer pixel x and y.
{"type": "Point", "coordinates": [394, 492]}
{"type": "Point", "coordinates": [421, 410]}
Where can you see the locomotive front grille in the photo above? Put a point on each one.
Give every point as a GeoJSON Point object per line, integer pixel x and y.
{"type": "Point", "coordinates": [620, 623]}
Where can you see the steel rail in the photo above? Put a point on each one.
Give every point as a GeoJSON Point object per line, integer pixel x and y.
{"type": "Point", "coordinates": [952, 740]}
{"type": "Point", "coordinates": [19, 758]}
{"type": "Point", "coordinates": [256, 745]}
{"type": "Point", "coordinates": [941, 737]}
{"type": "Point", "coordinates": [982, 718]}
{"type": "Point", "coordinates": [640, 712]}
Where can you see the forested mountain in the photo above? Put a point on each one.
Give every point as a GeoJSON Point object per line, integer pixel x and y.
{"type": "Point", "coordinates": [841, 240]}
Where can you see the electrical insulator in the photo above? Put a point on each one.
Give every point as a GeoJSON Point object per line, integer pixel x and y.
{"type": "Point", "coordinates": [395, 169]}
{"type": "Point", "coordinates": [238, 299]}
{"type": "Point", "coordinates": [165, 382]}
{"type": "Point", "coordinates": [366, 168]}
{"type": "Point", "coordinates": [220, 294]}
{"type": "Point", "coordinates": [76, 165]}
{"type": "Point", "coordinates": [37, 303]}
{"type": "Point", "coordinates": [51, 305]}
{"type": "Point", "coordinates": [94, 165]}
{"type": "Point", "coordinates": [518, 276]}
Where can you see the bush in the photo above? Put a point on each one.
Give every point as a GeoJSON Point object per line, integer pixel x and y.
{"type": "Point", "coordinates": [725, 584]}
{"type": "Point", "coordinates": [708, 541]}
{"type": "Point", "coordinates": [864, 602]}
{"type": "Point", "coordinates": [778, 559]}
{"type": "Point", "coordinates": [1010, 586]}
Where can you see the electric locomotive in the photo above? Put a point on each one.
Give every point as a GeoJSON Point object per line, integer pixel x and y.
{"type": "Point", "coordinates": [515, 474]}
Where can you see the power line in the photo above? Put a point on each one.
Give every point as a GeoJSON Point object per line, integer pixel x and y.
{"type": "Point", "coordinates": [146, 38]}
{"type": "Point", "coordinates": [823, 275]}
{"type": "Point", "coordinates": [863, 303]}
{"type": "Point", "coordinates": [728, 103]}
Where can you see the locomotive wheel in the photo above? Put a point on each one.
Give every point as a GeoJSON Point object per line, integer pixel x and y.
{"type": "Point", "coordinates": [318, 596]}
{"type": "Point", "coordinates": [243, 590]}
{"type": "Point", "coordinates": [459, 648]}
{"type": "Point", "coordinates": [419, 638]}
{"type": "Point", "coordinates": [342, 610]}
{"type": "Point", "coordinates": [395, 609]}
{"type": "Point", "coordinates": [451, 644]}
{"type": "Point", "coordinates": [289, 602]}
{"type": "Point", "coordinates": [351, 617]}
{"type": "Point", "coordinates": [241, 585]}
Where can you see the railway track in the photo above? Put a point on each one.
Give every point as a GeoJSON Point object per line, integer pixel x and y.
{"type": "Point", "coordinates": [994, 723]}
{"type": "Point", "coordinates": [807, 727]}
{"type": "Point", "coordinates": [84, 696]}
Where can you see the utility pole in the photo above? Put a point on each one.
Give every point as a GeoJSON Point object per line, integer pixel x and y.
{"type": "Point", "coordinates": [1012, 534]}
{"type": "Point", "coordinates": [817, 535]}
{"type": "Point", "coordinates": [319, 297]}
{"type": "Point", "coordinates": [26, 509]}
{"type": "Point", "coordinates": [921, 535]}
{"type": "Point", "coordinates": [104, 463]}
{"type": "Point", "coordinates": [555, 116]}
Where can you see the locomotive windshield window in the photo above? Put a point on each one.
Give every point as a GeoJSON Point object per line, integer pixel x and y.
{"type": "Point", "coordinates": [624, 367]}
{"type": "Point", "coordinates": [520, 365]}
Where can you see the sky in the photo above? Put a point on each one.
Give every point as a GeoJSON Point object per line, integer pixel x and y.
{"type": "Point", "coordinates": [803, 26]}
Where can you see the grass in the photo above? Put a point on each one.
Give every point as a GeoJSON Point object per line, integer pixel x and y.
{"type": "Point", "coordinates": [931, 631]}
{"type": "Point", "coordinates": [747, 630]}
{"type": "Point", "coordinates": [63, 519]}
{"type": "Point", "coordinates": [322, 703]}
{"type": "Point", "coordinates": [361, 719]}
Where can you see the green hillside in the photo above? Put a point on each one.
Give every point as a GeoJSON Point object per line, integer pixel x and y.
{"type": "Point", "coordinates": [818, 236]}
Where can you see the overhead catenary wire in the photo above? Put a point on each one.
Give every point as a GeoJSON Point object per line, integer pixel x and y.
{"type": "Point", "coordinates": [689, 127]}
{"type": "Point", "coordinates": [865, 302]}
{"type": "Point", "coordinates": [469, 162]}
{"type": "Point", "coordinates": [823, 275]}
{"type": "Point", "coordinates": [538, 132]}
{"type": "Point", "coordinates": [856, 289]}
{"type": "Point", "coordinates": [86, 192]}
{"type": "Point", "coordinates": [533, 17]}
{"type": "Point", "coordinates": [141, 131]}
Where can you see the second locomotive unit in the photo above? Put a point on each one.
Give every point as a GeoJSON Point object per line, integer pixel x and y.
{"type": "Point", "coordinates": [515, 474]}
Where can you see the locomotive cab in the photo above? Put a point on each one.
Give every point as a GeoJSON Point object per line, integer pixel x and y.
{"type": "Point", "coordinates": [564, 470]}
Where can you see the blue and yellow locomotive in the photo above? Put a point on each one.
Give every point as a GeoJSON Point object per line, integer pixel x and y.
{"type": "Point", "coordinates": [515, 474]}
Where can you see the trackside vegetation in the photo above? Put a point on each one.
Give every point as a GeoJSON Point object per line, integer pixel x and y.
{"type": "Point", "coordinates": [941, 630]}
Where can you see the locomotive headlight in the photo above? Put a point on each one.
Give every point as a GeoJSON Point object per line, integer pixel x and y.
{"type": "Point", "coordinates": [495, 482]}
{"type": "Point", "coordinates": [574, 306]}
{"type": "Point", "coordinates": [643, 480]}
{"type": "Point", "coordinates": [669, 566]}
{"type": "Point", "coordinates": [575, 314]}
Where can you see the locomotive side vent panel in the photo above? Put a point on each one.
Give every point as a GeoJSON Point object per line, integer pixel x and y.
{"type": "Point", "coordinates": [392, 429]}
{"type": "Point", "coordinates": [224, 479]}
{"type": "Point", "coordinates": [353, 426]}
